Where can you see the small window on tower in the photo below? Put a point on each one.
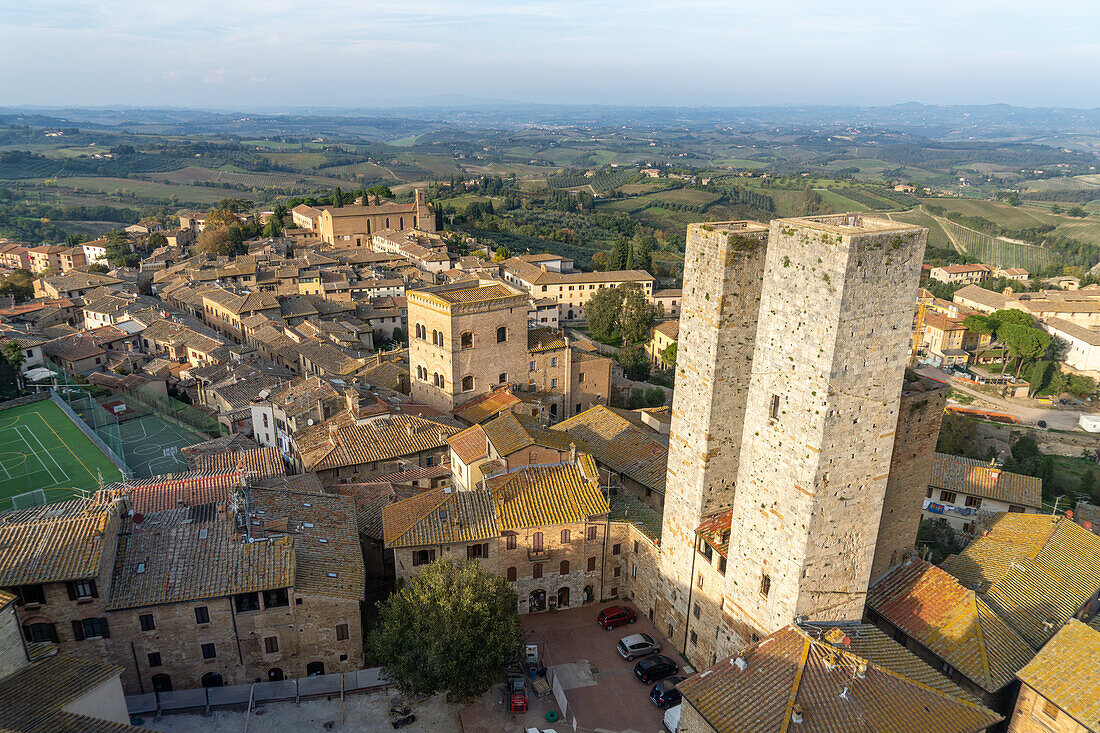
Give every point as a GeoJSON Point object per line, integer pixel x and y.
{"type": "Point", "coordinates": [775, 407]}
{"type": "Point", "coordinates": [765, 585]}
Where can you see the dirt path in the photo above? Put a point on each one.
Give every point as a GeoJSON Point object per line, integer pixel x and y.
{"type": "Point", "coordinates": [1028, 414]}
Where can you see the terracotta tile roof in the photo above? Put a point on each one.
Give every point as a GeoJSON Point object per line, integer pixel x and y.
{"type": "Point", "coordinates": [832, 689]}
{"type": "Point", "coordinates": [370, 498]}
{"type": "Point", "coordinates": [423, 473]}
{"type": "Point", "coordinates": [486, 406]}
{"type": "Point", "coordinates": [538, 496]}
{"type": "Point", "coordinates": [469, 445]}
{"type": "Point", "coordinates": [339, 441]}
{"type": "Point", "coordinates": [328, 559]}
{"type": "Point", "coordinates": [53, 542]}
{"type": "Point", "coordinates": [477, 294]}
{"type": "Point", "coordinates": [260, 462]}
{"type": "Point", "coordinates": [32, 699]}
{"type": "Point", "coordinates": [953, 622]}
{"type": "Point", "coordinates": [715, 531]}
{"type": "Point", "coordinates": [544, 339]}
{"type": "Point", "coordinates": [534, 274]}
{"type": "Point", "coordinates": [626, 507]}
{"type": "Point", "coordinates": [440, 516]}
{"type": "Point", "coordinates": [511, 432]}
{"type": "Point", "coordinates": [619, 444]}
{"type": "Point", "coordinates": [388, 374]}
{"type": "Point", "coordinates": [1065, 672]}
{"type": "Point", "coordinates": [192, 553]}
{"type": "Point", "coordinates": [977, 478]}
{"type": "Point", "coordinates": [173, 490]}
{"type": "Point", "coordinates": [1034, 570]}
{"type": "Point", "coordinates": [671, 329]}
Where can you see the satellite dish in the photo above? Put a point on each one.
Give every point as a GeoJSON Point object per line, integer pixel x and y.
{"type": "Point", "coordinates": [309, 421]}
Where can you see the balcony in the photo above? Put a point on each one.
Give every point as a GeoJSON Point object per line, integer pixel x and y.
{"type": "Point", "coordinates": [540, 555]}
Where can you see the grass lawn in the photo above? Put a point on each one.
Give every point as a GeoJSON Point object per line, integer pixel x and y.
{"type": "Point", "coordinates": [1068, 472]}
{"type": "Point", "coordinates": [41, 448]}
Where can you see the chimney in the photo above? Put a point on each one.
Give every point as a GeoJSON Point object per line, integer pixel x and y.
{"type": "Point", "coordinates": [332, 435]}
{"type": "Point", "coordinates": [741, 664]}
{"type": "Point", "coordinates": [572, 452]}
{"type": "Point", "coordinates": [796, 714]}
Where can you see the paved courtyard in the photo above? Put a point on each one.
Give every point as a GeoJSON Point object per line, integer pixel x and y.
{"type": "Point", "coordinates": [600, 686]}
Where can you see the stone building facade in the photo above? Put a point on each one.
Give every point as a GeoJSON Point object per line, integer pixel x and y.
{"type": "Point", "coordinates": [353, 226]}
{"type": "Point", "coordinates": [822, 410]}
{"type": "Point", "coordinates": [464, 340]}
{"type": "Point", "coordinates": [920, 413]}
{"type": "Point", "coordinates": [723, 273]}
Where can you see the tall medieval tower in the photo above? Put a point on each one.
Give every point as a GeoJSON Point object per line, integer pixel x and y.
{"type": "Point", "coordinates": [723, 273]}
{"type": "Point", "coordinates": [821, 413]}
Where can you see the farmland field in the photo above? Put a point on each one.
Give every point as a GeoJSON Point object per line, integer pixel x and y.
{"type": "Point", "coordinates": [150, 190]}
{"type": "Point", "coordinates": [937, 237]}
{"type": "Point", "coordinates": [194, 174]}
{"type": "Point", "coordinates": [997, 251]}
{"type": "Point", "coordinates": [1011, 217]}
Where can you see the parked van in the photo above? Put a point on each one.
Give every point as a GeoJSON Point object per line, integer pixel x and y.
{"type": "Point", "coordinates": [672, 718]}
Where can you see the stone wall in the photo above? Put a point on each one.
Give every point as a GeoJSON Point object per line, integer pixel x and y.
{"type": "Point", "coordinates": [822, 409]}
{"type": "Point", "coordinates": [723, 274]}
{"type": "Point", "coordinates": [12, 654]}
{"type": "Point", "coordinates": [919, 416]}
{"type": "Point", "coordinates": [1033, 716]}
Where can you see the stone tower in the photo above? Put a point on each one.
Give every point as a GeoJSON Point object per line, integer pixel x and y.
{"type": "Point", "coordinates": [819, 419]}
{"type": "Point", "coordinates": [723, 272]}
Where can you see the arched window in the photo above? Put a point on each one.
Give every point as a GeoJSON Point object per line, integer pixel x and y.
{"type": "Point", "coordinates": [564, 569]}
{"type": "Point", "coordinates": [442, 381]}
{"type": "Point", "coordinates": [162, 683]}
{"type": "Point", "coordinates": [511, 575]}
{"type": "Point", "coordinates": [565, 537]}
{"type": "Point", "coordinates": [435, 379]}
{"type": "Point", "coordinates": [553, 409]}
{"type": "Point", "coordinates": [315, 669]}
{"type": "Point", "coordinates": [212, 679]}
{"type": "Point", "coordinates": [274, 674]}
{"type": "Point", "coordinates": [502, 334]}
{"type": "Point", "coordinates": [467, 384]}
{"type": "Point", "coordinates": [435, 338]}
{"type": "Point", "coordinates": [536, 570]}
{"type": "Point", "coordinates": [536, 542]}
{"type": "Point", "coordinates": [467, 340]}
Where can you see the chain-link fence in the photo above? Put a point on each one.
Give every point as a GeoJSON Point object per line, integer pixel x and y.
{"type": "Point", "coordinates": [174, 410]}
{"type": "Point", "coordinates": [102, 421]}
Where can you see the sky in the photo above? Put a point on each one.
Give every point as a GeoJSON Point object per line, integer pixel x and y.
{"type": "Point", "coordinates": [242, 54]}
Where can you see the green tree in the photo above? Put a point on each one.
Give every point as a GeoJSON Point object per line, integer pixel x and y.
{"type": "Point", "coordinates": [1088, 482]}
{"type": "Point", "coordinates": [635, 363]}
{"type": "Point", "coordinates": [617, 259]}
{"type": "Point", "coordinates": [156, 239]}
{"type": "Point", "coordinates": [643, 259]}
{"type": "Point", "coordinates": [629, 263]}
{"type": "Point", "coordinates": [668, 355]}
{"type": "Point", "coordinates": [602, 313]}
{"type": "Point", "coordinates": [337, 198]}
{"type": "Point", "coordinates": [636, 316]}
{"type": "Point", "coordinates": [19, 284]}
{"type": "Point", "coordinates": [453, 628]}
{"type": "Point", "coordinates": [957, 436]}
{"type": "Point", "coordinates": [11, 359]}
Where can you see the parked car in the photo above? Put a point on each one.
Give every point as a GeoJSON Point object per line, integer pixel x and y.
{"type": "Point", "coordinates": [672, 719]}
{"type": "Point", "coordinates": [637, 645]}
{"type": "Point", "coordinates": [664, 694]}
{"type": "Point", "coordinates": [615, 616]}
{"type": "Point", "coordinates": [655, 668]}
{"type": "Point", "coordinates": [1042, 423]}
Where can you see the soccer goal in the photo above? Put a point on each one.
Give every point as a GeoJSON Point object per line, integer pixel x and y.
{"type": "Point", "coordinates": [28, 499]}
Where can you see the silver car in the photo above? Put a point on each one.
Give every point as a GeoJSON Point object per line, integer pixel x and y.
{"type": "Point", "coordinates": [637, 645]}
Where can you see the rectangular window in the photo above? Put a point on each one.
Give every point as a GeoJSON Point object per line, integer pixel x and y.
{"type": "Point", "coordinates": [276, 598]}
{"type": "Point", "coordinates": [510, 542]}
{"type": "Point", "coordinates": [246, 602]}
{"type": "Point", "coordinates": [31, 594]}
{"type": "Point", "coordinates": [635, 546]}
{"type": "Point", "coordinates": [633, 571]}
{"type": "Point", "coordinates": [591, 564]}
{"type": "Point", "coordinates": [553, 384]}
{"type": "Point", "coordinates": [271, 644]}
{"type": "Point", "coordinates": [208, 651]}
{"type": "Point", "coordinates": [948, 497]}
{"type": "Point", "coordinates": [532, 367]}
{"type": "Point", "coordinates": [91, 628]}
{"type": "Point", "coordinates": [617, 572]}
{"type": "Point", "coordinates": [699, 580]}
{"type": "Point", "coordinates": [705, 548]}
{"type": "Point", "coordinates": [147, 622]}
{"type": "Point", "coordinates": [722, 565]}
{"type": "Point", "coordinates": [974, 501]}
{"type": "Point", "coordinates": [696, 610]}
{"type": "Point", "coordinates": [928, 493]}
{"type": "Point", "coordinates": [40, 632]}
{"type": "Point", "coordinates": [765, 585]}
{"type": "Point", "coordinates": [154, 659]}
{"type": "Point", "coordinates": [1050, 710]}
{"type": "Point", "coordinates": [202, 615]}
{"type": "Point", "coordinates": [81, 589]}
{"type": "Point", "coordinates": [694, 639]}
{"type": "Point", "coordinates": [1014, 509]}
{"type": "Point", "coordinates": [591, 533]}
{"type": "Point", "coordinates": [423, 557]}
{"type": "Point", "coordinates": [341, 632]}
{"type": "Point", "coordinates": [473, 552]}
{"type": "Point", "coordinates": [775, 407]}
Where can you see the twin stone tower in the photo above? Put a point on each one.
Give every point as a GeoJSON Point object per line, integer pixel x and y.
{"type": "Point", "coordinates": [793, 346]}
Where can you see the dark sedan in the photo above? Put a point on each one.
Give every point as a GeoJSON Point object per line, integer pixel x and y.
{"type": "Point", "coordinates": [655, 668]}
{"type": "Point", "coordinates": [664, 694]}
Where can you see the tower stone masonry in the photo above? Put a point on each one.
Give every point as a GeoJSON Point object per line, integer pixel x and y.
{"type": "Point", "coordinates": [723, 274]}
{"type": "Point", "coordinates": [820, 418]}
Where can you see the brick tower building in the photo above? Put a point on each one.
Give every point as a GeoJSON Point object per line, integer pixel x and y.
{"type": "Point", "coordinates": [801, 352]}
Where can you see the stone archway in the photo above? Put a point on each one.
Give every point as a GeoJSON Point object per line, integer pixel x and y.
{"type": "Point", "coordinates": [212, 679]}
{"type": "Point", "coordinates": [589, 594]}
{"type": "Point", "coordinates": [563, 597]}
{"type": "Point", "coordinates": [536, 601]}
{"type": "Point", "coordinates": [274, 675]}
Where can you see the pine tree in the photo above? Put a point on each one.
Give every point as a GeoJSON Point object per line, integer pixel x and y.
{"type": "Point", "coordinates": [629, 264]}
{"type": "Point", "coordinates": [617, 259]}
{"type": "Point", "coordinates": [337, 198]}
{"type": "Point", "coordinates": [644, 258]}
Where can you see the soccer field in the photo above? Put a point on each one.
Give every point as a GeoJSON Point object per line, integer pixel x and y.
{"type": "Point", "coordinates": [42, 449]}
{"type": "Point", "coordinates": [153, 445]}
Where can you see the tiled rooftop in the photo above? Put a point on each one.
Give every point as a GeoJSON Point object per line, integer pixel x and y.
{"type": "Point", "coordinates": [977, 478]}
{"type": "Point", "coordinates": [53, 542]}
{"type": "Point", "coordinates": [339, 441]}
{"type": "Point", "coordinates": [33, 699]}
{"type": "Point", "coordinates": [1066, 673]}
{"type": "Point", "coordinates": [619, 444]}
{"type": "Point", "coordinates": [792, 675]}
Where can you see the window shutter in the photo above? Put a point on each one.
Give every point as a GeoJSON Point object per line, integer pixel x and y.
{"type": "Point", "coordinates": [78, 628]}
{"type": "Point", "coordinates": [71, 587]}
{"type": "Point", "coordinates": [106, 631]}
{"type": "Point", "coordinates": [95, 591]}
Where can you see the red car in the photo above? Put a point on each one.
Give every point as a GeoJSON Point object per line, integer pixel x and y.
{"type": "Point", "coordinates": [615, 616]}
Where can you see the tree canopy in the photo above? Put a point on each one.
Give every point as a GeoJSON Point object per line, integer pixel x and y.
{"type": "Point", "coordinates": [623, 310]}
{"type": "Point", "coordinates": [453, 628]}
